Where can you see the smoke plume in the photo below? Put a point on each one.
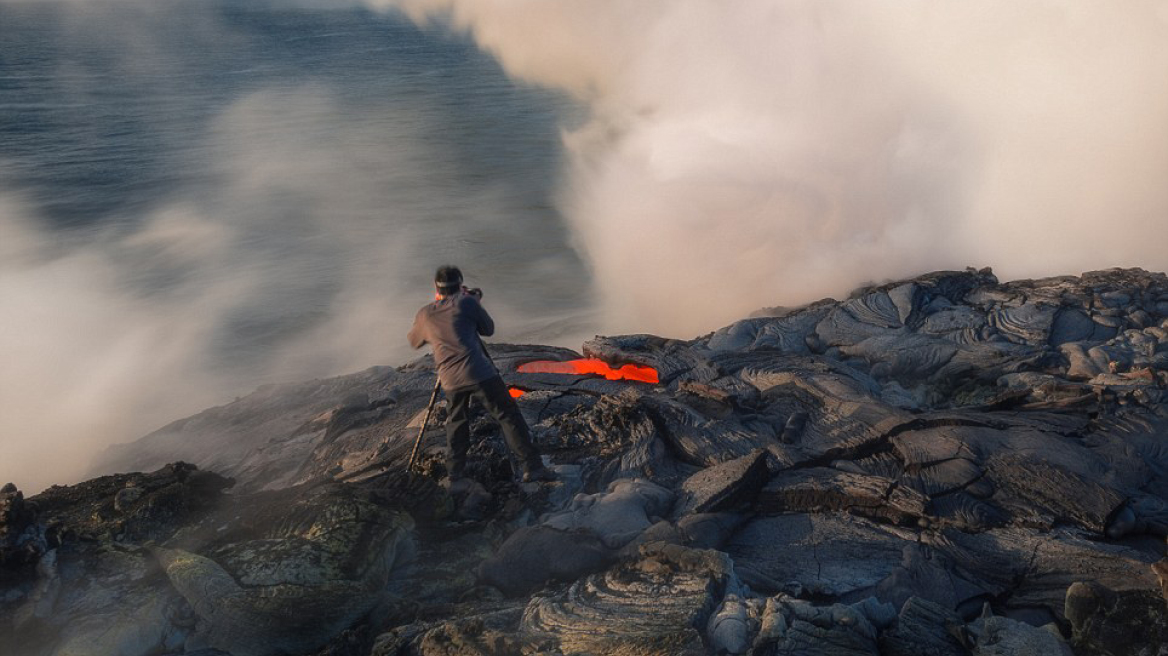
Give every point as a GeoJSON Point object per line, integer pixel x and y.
{"type": "Point", "coordinates": [765, 152]}
{"type": "Point", "coordinates": [732, 156]}
{"type": "Point", "coordinates": [298, 240]}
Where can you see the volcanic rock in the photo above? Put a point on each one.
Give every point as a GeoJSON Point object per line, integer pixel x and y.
{"type": "Point", "coordinates": [616, 516]}
{"type": "Point", "coordinates": [535, 555]}
{"type": "Point", "coordinates": [19, 543]}
{"type": "Point", "coordinates": [850, 477]}
{"type": "Point", "coordinates": [835, 630]}
{"type": "Point", "coordinates": [820, 489]}
{"type": "Point", "coordinates": [617, 610]}
{"type": "Point", "coordinates": [724, 486]}
{"type": "Point", "coordinates": [924, 628]}
{"type": "Point", "coordinates": [1110, 623]}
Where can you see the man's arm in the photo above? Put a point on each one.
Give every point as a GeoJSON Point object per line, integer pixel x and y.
{"type": "Point", "coordinates": [483, 321]}
{"type": "Point", "coordinates": [416, 335]}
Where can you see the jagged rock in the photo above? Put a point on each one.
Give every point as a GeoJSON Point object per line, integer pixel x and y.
{"type": "Point", "coordinates": [20, 545]}
{"type": "Point", "coordinates": [534, 555]}
{"type": "Point", "coordinates": [844, 419]}
{"type": "Point", "coordinates": [703, 440]}
{"type": "Point", "coordinates": [826, 554]}
{"type": "Point", "coordinates": [723, 486]}
{"type": "Point", "coordinates": [90, 600]}
{"type": "Point", "coordinates": [729, 628]}
{"type": "Point", "coordinates": [442, 573]}
{"type": "Point", "coordinates": [116, 608]}
{"type": "Point", "coordinates": [904, 356]}
{"type": "Point", "coordinates": [1038, 477]}
{"type": "Point", "coordinates": [79, 582]}
{"type": "Point", "coordinates": [266, 437]}
{"type": "Point", "coordinates": [820, 489]}
{"type": "Point", "coordinates": [164, 501]}
{"type": "Point", "coordinates": [1038, 492]}
{"type": "Point", "coordinates": [617, 612]}
{"type": "Point", "coordinates": [1035, 569]}
{"type": "Point", "coordinates": [670, 357]}
{"type": "Point", "coordinates": [931, 575]}
{"type": "Point", "coordinates": [836, 630]}
{"type": "Point", "coordinates": [1134, 622]}
{"type": "Point", "coordinates": [616, 516]}
{"type": "Point", "coordinates": [1029, 323]}
{"type": "Point", "coordinates": [619, 430]}
{"type": "Point", "coordinates": [472, 637]}
{"type": "Point", "coordinates": [967, 512]}
{"type": "Point", "coordinates": [788, 334]}
{"type": "Point", "coordinates": [924, 628]}
{"type": "Point", "coordinates": [709, 530]}
{"type": "Point", "coordinates": [944, 477]}
{"type": "Point", "coordinates": [324, 558]}
{"type": "Point", "coordinates": [1002, 636]}
{"type": "Point", "coordinates": [935, 444]}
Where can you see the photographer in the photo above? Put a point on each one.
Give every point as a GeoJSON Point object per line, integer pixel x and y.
{"type": "Point", "coordinates": [452, 325]}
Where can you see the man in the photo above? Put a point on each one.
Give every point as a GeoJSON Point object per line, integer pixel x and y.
{"type": "Point", "coordinates": [452, 325]}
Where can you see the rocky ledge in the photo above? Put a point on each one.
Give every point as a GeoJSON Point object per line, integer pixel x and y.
{"type": "Point", "coordinates": [941, 466]}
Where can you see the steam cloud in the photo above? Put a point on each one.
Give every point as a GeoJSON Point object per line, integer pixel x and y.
{"type": "Point", "coordinates": [734, 156]}
{"type": "Point", "coordinates": [105, 340]}
{"type": "Point", "coordinates": [766, 152]}
{"type": "Point", "coordinates": [300, 246]}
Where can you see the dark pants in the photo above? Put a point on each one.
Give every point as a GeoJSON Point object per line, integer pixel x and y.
{"type": "Point", "coordinates": [492, 393]}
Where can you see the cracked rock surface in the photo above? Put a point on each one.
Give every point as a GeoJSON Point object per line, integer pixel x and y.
{"type": "Point", "coordinates": [943, 465]}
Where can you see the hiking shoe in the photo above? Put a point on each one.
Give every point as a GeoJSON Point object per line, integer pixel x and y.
{"type": "Point", "coordinates": [538, 475]}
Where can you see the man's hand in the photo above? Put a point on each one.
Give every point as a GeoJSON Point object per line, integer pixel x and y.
{"type": "Point", "coordinates": [473, 291]}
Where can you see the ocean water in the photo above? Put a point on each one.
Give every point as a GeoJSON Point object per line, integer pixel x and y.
{"type": "Point", "coordinates": [110, 115]}
{"type": "Point", "coordinates": [200, 197]}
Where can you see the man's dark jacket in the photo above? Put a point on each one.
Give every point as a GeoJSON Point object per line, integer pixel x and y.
{"type": "Point", "coordinates": [452, 325]}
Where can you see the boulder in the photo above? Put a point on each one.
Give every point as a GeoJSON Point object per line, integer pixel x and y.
{"type": "Point", "coordinates": [827, 555]}
{"type": "Point", "coordinates": [1103, 621]}
{"type": "Point", "coordinates": [723, 486]}
{"type": "Point", "coordinates": [534, 555]}
{"type": "Point", "coordinates": [616, 516]}
{"type": "Point", "coordinates": [611, 613]}
{"type": "Point", "coordinates": [324, 556]}
{"type": "Point", "coordinates": [806, 629]}
{"type": "Point", "coordinates": [821, 489]}
{"type": "Point", "coordinates": [924, 628]}
{"type": "Point", "coordinates": [1002, 636]}
{"type": "Point", "coordinates": [848, 477]}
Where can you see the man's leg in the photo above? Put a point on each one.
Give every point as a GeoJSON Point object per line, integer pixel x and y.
{"type": "Point", "coordinates": [497, 401]}
{"type": "Point", "coordinates": [457, 431]}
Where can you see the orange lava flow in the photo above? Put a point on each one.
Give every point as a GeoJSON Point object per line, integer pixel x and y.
{"type": "Point", "coordinates": [591, 366]}
{"type": "Point", "coordinates": [515, 392]}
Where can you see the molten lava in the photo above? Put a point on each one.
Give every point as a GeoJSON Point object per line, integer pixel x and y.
{"type": "Point", "coordinates": [591, 366]}
{"type": "Point", "coordinates": [515, 392]}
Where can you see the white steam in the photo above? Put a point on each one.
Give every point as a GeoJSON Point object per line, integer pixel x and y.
{"type": "Point", "coordinates": [302, 248]}
{"type": "Point", "coordinates": [760, 152]}
{"type": "Point", "coordinates": [735, 155]}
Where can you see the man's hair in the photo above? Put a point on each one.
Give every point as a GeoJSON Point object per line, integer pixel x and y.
{"type": "Point", "coordinates": [448, 279]}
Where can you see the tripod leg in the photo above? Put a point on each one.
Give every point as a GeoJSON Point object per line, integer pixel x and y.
{"type": "Point", "coordinates": [425, 421]}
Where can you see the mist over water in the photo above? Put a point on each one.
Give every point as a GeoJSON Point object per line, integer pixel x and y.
{"type": "Point", "coordinates": [198, 197]}
{"type": "Point", "coordinates": [766, 152]}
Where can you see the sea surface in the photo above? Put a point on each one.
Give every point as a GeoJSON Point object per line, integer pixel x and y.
{"type": "Point", "coordinates": [201, 197]}
{"type": "Point", "coordinates": [376, 147]}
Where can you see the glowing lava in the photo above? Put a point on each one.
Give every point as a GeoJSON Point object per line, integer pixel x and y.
{"type": "Point", "coordinates": [591, 366]}
{"type": "Point", "coordinates": [515, 392]}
